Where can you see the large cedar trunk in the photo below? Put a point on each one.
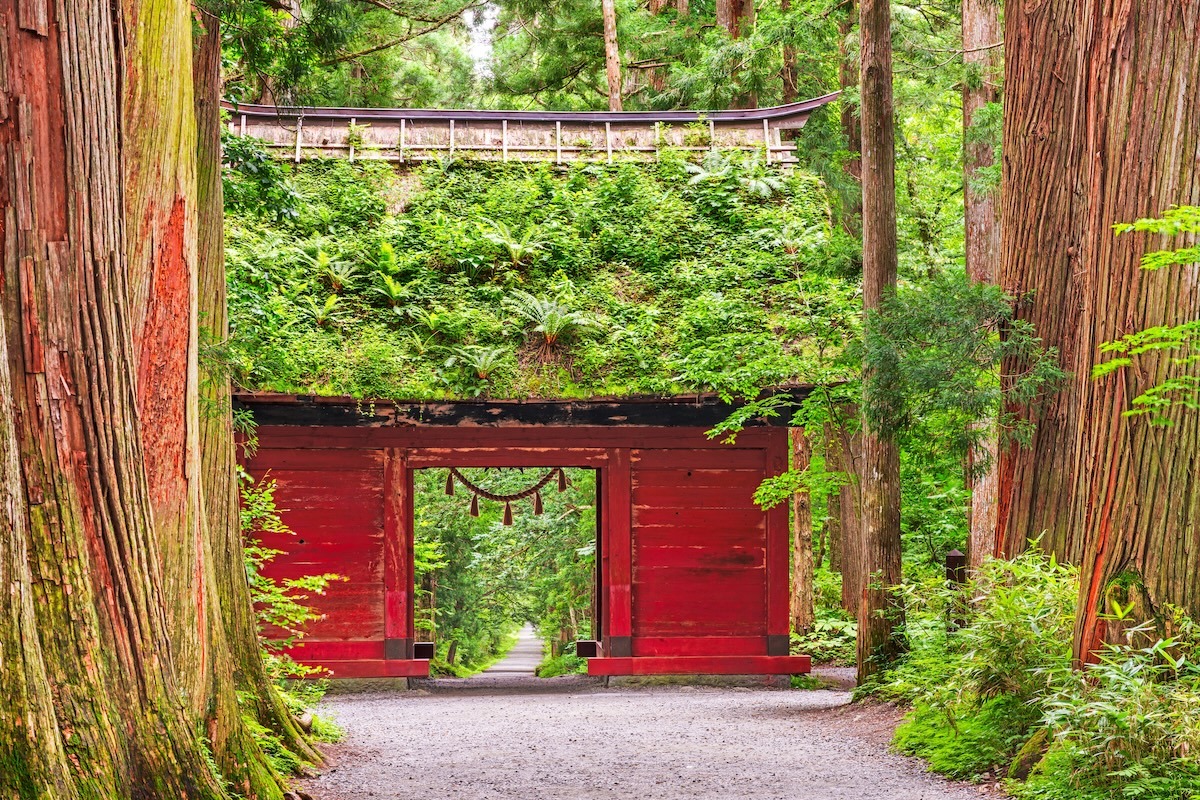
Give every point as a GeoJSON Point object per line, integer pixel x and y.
{"type": "Point", "coordinates": [982, 57]}
{"type": "Point", "coordinates": [235, 611]}
{"type": "Point", "coordinates": [1102, 98]}
{"type": "Point", "coordinates": [93, 696]}
{"type": "Point", "coordinates": [880, 614]}
{"type": "Point", "coordinates": [803, 613]}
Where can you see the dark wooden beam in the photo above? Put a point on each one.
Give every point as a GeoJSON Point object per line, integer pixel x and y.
{"type": "Point", "coordinates": [696, 411]}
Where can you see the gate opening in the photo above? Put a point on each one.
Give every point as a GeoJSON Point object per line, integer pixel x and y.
{"type": "Point", "coordinates": [499, 548]}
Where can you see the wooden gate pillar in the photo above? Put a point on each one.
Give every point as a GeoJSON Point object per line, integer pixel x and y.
{"type": "Point", "coordinates": [398, 577]}
{"type": "Point", "coordinates": [617, 556]}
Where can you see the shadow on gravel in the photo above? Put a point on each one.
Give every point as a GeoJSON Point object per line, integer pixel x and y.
{"type": "Point", "coordinates": [507, 684]}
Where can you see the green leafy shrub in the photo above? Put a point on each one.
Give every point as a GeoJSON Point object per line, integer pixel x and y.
{"type": "Point", "coordinates": [1129, 724]}
{"type": "Point", "coordinates": [977, 689]}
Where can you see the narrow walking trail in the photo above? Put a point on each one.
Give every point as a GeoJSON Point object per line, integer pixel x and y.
{"type": "Point", "coordinates": [522, 659]}
{"type": "Point", "coordinates": [506, 735]}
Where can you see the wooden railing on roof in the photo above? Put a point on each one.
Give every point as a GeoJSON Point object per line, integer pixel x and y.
{"type": "Point", "coordinates": [404, 135]}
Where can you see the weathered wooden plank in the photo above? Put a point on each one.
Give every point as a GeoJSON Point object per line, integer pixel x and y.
{"type": "Point", "coordinates": [695, 497]}
{"type": "Point", "coordinates": [507, 457]}
{"type": "Point", "coordinates": [397, 545]}
{"type": "Point", "coordinates": [312, 437]}
{"type": "Point", "coordinates": [699, 646]}
{"type": "Point", "coordinates": [356, 650]}
{"type": "Point", "coordinates": [693, 601]}
{"type": "Point", "coordinates": [295, 460]}
{"type": "Point", "coordinates": [733, 518]}
{"type": "Point", "coordinates": [698, 478]}
{"type": "Point", "coordinates": [699, 536]}
{"type": "Point", "coordinates": [701, 665]}
{"type": "Point", "coordinates": [396, 668]}
{"type": "Point", "coordinates": [712, 458]}
{"type": "Point", "coordinates": [352, 570]}
{"type": "Point", "coordinates": [736, 558]}
{"type": "Point", "coordinates": [701, 412]}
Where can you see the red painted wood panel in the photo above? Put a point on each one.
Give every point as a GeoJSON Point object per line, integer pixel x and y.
{"type": "Point", "coordinates": [307, 650]}
{"type": "Point", "coordinates": [398, 668]}
{"type": "Point", "coordinates": [676, 478]}
{"type": "Point", "coordinates": [673, 601]}
{"type": "Point", "coordinates": [701, 665]}
{"type": "Point", "coordinates": [507, 457]}
{"type": "Point", "coordinates": [747, 518]}
{"type": "Point", "coordinates": [333, 503]}
{"type": "Point", "coordinates": [694, 497]}
{"type": "Point", "coordinates": [618, 543]}
{"type": "Point", "coordinates": [320, 460]}
{"type": "Point", "coordinates": [697, 535]}
{"type": "Point", "coordinates": [736, 558]}
{"type": "Point", "coordinates": [397, 545]}
{"type": "Point", "coordinates": [712, 458]}
{"type": "Point", "coordinates": [700, 645]}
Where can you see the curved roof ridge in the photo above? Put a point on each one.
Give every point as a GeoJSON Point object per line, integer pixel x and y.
{"type": "Point", "coordinates": [801, 108]}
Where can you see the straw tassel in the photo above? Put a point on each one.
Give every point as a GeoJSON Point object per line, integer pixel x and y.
{"type": "Point", "coordinates": [508, 514]}
{"type": "Point", "coordinates": [474, 505]}
{"type": "Point", "coordinates": [537, 503]}
{"type": "Point", "coordinates": [450, 483]}
{"type": "Point", "coordinates": [562, 480]}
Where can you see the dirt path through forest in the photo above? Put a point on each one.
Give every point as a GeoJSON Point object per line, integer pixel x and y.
{"type": "Point", "coordinates": [519, 738]}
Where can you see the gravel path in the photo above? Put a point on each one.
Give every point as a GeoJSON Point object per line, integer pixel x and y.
{"type": "Point", "coordinates": [499, 737]}
{"type": "Point", "coordinates": [523, 658]}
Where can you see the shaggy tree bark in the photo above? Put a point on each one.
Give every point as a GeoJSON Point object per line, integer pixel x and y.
{"type": "Point", "coordinates": [95, 706]}
{"type": "Point", "coordinates": [880, 613]}
{"type": "Point", "coordinates": [1099, 118]}
{"type": "Point", "coordinates": [218, 457]}
{"type": "Point", "coordinates": [982, 57]}
{"type": "Point", "coordinates": [803, 613]}
{"type": "Point", "coordinates": [612, 55]}
{"type": "Point", "coordinates": [736, 17]}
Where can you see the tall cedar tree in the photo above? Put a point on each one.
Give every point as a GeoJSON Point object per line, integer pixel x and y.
{"type": "Point", "coordinates": [114, 660]}
{"type": "Point", "coordinates": [1101, 102]}
{"type": "Point", "coordinates": [736, 17]}
{"type": "Point", "coordinates": [802, 610]}
{"type": "Point", "coordinates": [982, 56]}
{"type": "Point", "coordinates": [880, 614]}
{"type": "Point", "coordinates": [612, 54]}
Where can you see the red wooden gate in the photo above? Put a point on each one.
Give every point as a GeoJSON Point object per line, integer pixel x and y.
{"type": "Point", "coordinates": [693, 576]}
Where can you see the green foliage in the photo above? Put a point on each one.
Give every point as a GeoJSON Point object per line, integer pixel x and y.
{"type": "Point", "coordinates": [1000, 690]}
{"type": "Point", "coordinates": [281, 609]}
{"type": "Point", "coordinates": [514, 280]}
{"type": "Point", "coordinates": [566, 663]}
{"type": "Point", "coordinates": [1179, 345]}
{"type": "Point", "coordinates": [945, 353]}
{"type": "Point", "coordinates": [977, 743]}
{"type": "Point", "coordinates": [1129, 723]}
{"type": "Point", "coordinates": [976, 688]}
